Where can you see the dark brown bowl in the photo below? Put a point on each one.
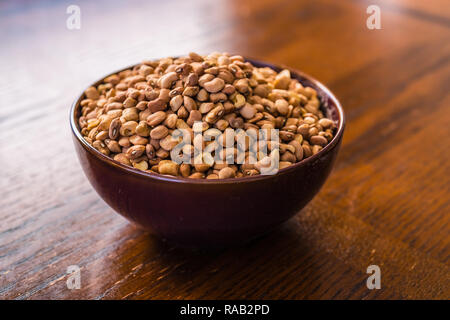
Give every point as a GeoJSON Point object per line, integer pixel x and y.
{"type": "Point", "coordinates": [196, 212]}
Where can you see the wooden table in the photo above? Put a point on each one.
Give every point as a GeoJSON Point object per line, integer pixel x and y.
{"type": "Point", "coordinates": [387, 202]}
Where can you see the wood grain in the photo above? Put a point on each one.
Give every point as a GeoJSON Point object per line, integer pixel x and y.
{"type": "Point", "coordinates": [387, 201]}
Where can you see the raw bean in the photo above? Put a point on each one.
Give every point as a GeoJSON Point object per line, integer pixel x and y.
{"type": "Point", "coordinates": [282, 80]}
{"type": "Point", "coordinates": [144, 114]}
{"type": "Point", "coordinates": [185, 170]}
{"type": "Point", "coordinates": [92, 93]}
{"type": "Point", "coordinates": [138, 140]}
{"type": "Point", "coordinates": [113, 146]}
{"type": "Point", "coordinates": [142, 165]}
{"type": "Point", "coordinates": [228, 89]}
{"type": "Point", "coordinates": [214, 85]}
{"type": "Point", "coordinates": [194, 115]}
{"type": "Point", "coordinates": [212, 176]}
{"type": "Point", "coordinates": [247, 111]}
{"type": "Point", "coordinates": [298, 150]}
{"type": "Point", "coordinates": [221, 124]}
{"type": "Point", "coordinates": [202, 95]}
{"type": "Point", "coordinates": [156, 118]}
{"type": "Point", "coordinates": [239, 101]}
{"type": "Point", "coordinates": [237, 123]}
{"type": "Point", "coordinates": [202, 167]}
{"type": "Point", "coordinates": [206, 107]}
{"type": "Point", "coordinates": [215, 114]}
{"type": "Point", "coordinates": [182, 113]}
{"type": "Point", "coordinates": [261, 90]}
{"type": "Point", "coordinates": [226, 173]}
{"type": "Point", "coordinates": [326, 123]}
{"type": "Point", "coordinates": [282, 106]}
{"type": "Point", "coordinates": [176, 102]}
{"type": "Point", "coordinates": [242, 86]}
{"type": "Point", "coordinates": [171, 121]}
{"type": "Point", "coordinates": [303, 129]}
{"type": "Point", "coordinates": [287, 147]}
{"type": "Point", "coordinates": [218, 97]}
{"type": "Point", "coordinates": [195, 57]}
{"type": "Point", "coordinates": [135, 151]}
{"type": "Point", "coordinates": [251, 172]}
{"type": "Point", "coordinates": [284, 164]}
{"type": "Point", "coordinates": [122, 158]}
{"type": "Point", "coordinates": [130, 114]}
{"type": "Point", "coordinates": [316, 149]}
{"type": "Point", "coordinates": [189, 103]}
{"type": "Point", "coordinates": [124, 142]}
{"type": "Point", "coordinates": [319, 140]}
{"type": "Point", "coordinates": [100, 146]}
{"type": "Point", "coordinates": [168, 79]}
{"type": "Point", "coordinates": [192, 79]}
{"type": "Point", "coordinates": [175, 92]}
{"type": "Point", "coordinates": [128, 128]}
{"type": "Point", "coordinates": [168, 167]}
{"type": "Point", "coordinates": [159, 132]}
{"type": "Point", "coordinates": [142, 105]}
{"type": "Point", "coordinates": [197, 175]}
{"type": "Point", "coordinates": [150, 151]}
{"type": "Point", "coordinates": [142, 129]}
{"type": "Point", "coordinates": [286, 135]}
{"type": "Point", "coordinates": [114, 128]}
{"type": "Point", "coordinates": [168, 142]}
{"type": "Point", "coordinates": [161, 153]}
{"type": "Point", "coordinates": [157, 105]}
{"type": "Point", "coordinates": [129, 102]}
{"type": "Point", "coordinates": [307, 150]}
{"type": "Point", "coordinates": [190, 91]}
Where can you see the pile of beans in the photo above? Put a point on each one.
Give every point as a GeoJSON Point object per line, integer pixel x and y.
{"type": "Point", "coordinates": [130, 116]}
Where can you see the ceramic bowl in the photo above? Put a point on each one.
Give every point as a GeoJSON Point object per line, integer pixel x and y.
{"type": "Point", "coordinates": [196, 212]}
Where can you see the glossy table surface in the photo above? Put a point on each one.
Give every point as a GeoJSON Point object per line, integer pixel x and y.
{"type": "Point", "coordinates": [386, 203]}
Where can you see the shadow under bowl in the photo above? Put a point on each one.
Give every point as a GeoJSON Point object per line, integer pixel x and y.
{"type": "Point", "coordinates": [211, 213]}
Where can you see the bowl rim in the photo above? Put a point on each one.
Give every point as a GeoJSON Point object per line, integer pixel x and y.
{"type": "Point", "coordinates": [167, 178]}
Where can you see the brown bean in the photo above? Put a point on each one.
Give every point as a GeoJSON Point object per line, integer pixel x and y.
{"type": "Point", "coordinates": [122, 158]}
{"type": "Point", "coordinates": [156, 118]}
{"type": "Point", "coordinates": [168, 79]}
{"type": "Point", "coordinates": [215, 114]}
{"type": "Point", "coordinates": [114, 128]}
{"type": "Point", "coordinates": [194, 116]}
{"type": "Point", "coordinates": [247, 111]}
{"type": "Point", "coordinates": [157, 105]}
{"type": "Point", "coordinates": [128, 128]}
{"type": "Point", "coordinates": [189, 103]}
{"type": "Point", "coordinates": [197, 175]}
{"type": "Point", "coordinates": [226, 173]}
{"type": "Point", "coordinates": [326, 123]}
{"type": "Point", "coordinates": [214, 85]}
{"type": "Point", "coordinates": [92, 93]}
{"type": "Point", "coordinates": [185, 170]}
{"type": "Point", "coordinates": [136, 139]}
{"type": "Point", "coordinates": [171, 121]}
{"type": "Point", "coordinates": [282, 106]}
{"type": "Point", "coordinates": [168, 167]}
{"type": "Point", "coordinates": [319, 140]}
{"type": "Point", "coordinates": [135, 151]}
{"type": "Point", "coordinates": [150, 151]}
{"type": "Point", "coordinates": [159, 132]}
